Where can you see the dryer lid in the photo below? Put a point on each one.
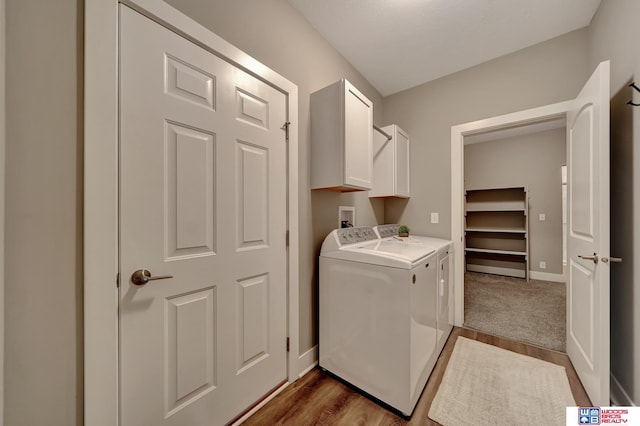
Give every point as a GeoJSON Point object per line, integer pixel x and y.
{"type": "Point", "coordinates": [410, 252]}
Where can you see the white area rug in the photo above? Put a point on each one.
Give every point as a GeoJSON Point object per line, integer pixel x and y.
{"type": "Point", "coordinates": [487, 385]}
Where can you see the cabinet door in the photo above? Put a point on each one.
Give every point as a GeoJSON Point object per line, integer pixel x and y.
{"type": "Point", "coordinates": [358, 134]}
{"type": "Point", "coordinates": [403, 158]}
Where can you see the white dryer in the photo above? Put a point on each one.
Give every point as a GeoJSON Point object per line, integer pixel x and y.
{"type": "Point", "coordinates": [378, 324]}
{"type": "Point", "coordinates": [445, 254]}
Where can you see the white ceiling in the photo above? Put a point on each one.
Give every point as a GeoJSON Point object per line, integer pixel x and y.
{"type": "Point", "coordinates": [399, 44]}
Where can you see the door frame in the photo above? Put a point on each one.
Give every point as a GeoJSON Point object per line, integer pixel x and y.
{"type": "Point", "coordinates": [458, 133]}
{"type": "Point", "coordinates": [3, 131]}
{"type": "Point", "coordinates": [101, 210]}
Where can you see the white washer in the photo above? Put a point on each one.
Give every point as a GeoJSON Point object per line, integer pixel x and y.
{"type": "Point", "coordinates": [445, 253]}
{"type": "Point", "coordinates": [378, 324]}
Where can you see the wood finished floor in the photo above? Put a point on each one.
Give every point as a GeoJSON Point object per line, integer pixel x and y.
{"type": "Point", "coordinates": [319, 399]}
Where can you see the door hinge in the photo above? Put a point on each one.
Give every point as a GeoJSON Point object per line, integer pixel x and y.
{"type": "Point", "coordinates": [287, 344]}
{"type": "Point", "coordinates": [286, 239]}
{"type": "Point", "coordinates": [118, 280]}
{"type": "Point", "coordinates": [285, 127]}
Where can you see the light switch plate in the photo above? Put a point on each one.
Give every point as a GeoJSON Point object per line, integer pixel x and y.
{"type": "Point", "coordinates": [435, 217]}
{"type": "Point", "coordinates": [542, 217]}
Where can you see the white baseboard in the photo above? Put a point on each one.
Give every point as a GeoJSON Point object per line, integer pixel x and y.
{"type": "Point", "coordinates": [547, 276]}
{"type": "Point", "coordinates": [495, 270]}
{"type": "Point", "coordinates": [534, 275]}
{"type": "Point", "coordinates": [619, 397]}
{"type": "Point", "coordinates": [307, 361]}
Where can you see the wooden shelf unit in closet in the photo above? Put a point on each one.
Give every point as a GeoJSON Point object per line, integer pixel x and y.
{"type": "Point", "coordinates": [497, 231]}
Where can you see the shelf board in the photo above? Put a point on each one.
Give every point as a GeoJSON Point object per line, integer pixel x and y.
{"type": "Point", "coordinates": [496, 230]}
{"type": "Point", "coordinates": [494, 208]}
{"type": "Point", "coordinates": [498, 189]}
{"type": "Point", "coordinates": [481, 250]}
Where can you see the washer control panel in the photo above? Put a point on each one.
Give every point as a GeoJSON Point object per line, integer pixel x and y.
{"type": "Point", "coordinates": [387, 230]}
{"type": "Point", "coordinates": [356, 235]}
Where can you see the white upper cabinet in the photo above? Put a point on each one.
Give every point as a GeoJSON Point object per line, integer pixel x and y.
{"type": "Point", "coordinates": [391, 163]}
{"type": "Point", "coordinates": [341, 139]}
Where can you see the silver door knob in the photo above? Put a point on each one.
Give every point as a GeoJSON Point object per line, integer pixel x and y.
{"type": "Point", "coordinates": [612, 259]}
{"type": "Point", "coordinates": [143, 276]}
{"type": "Point", "coordinates": [594, 257]}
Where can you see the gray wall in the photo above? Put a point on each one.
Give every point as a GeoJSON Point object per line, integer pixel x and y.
{"type": "Point", "coordinates": [533, 161]}
{"type": "Point", "coordinates": [615, 35]}
{"type": "Point", "coordinates": [43, 364]}
{"type": "Point", "coordinates": [549, 72]}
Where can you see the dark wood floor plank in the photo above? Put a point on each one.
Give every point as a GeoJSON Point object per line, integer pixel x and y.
{"type": "Point", "coordinates": [304, 404]}
{"type": "Point", "coordinates": [319, 399]}
{"type": "Point", "coordinates": [359, 411]}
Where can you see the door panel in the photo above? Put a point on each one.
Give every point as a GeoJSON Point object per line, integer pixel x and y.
{"type": "Point", "coordinates": [190, 328]}
{"type": "Point", "coordinates": [190, 182]}
{"type": "Point", "coordinates": [202, 200]}
{"type": "Point", "coordinates": [358, 129]}
{"type": "Point", "coordinates": [253, 320]}
{"type": "Point", "coordinates": [188, 82]}
{"type": "Point", "coordinates": [582, 177]}
{"type": "Point", "coordinates": [588, 235]}
{"type": "Point", "coordinates": [581, 322]}
{"type": "Point", "coordinates": [252, 210]}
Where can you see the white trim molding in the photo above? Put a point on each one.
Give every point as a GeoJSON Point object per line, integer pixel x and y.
{"type": "Point", "coordinates": [308, 361]}
{"type": "Point", "coordinates": [619, 395]}
{"type": "Point", "coordinates": [547, 276]}
{"type": "Point", "coordinates": [520, 273]}
{"type": "Point", "coordinates": [3, 132]}
{"type": "Point", "coordinates": [101, 191]}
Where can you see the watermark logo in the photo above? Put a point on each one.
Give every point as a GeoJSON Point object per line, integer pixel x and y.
{"type": "Point", "coordinates": [588, 415]}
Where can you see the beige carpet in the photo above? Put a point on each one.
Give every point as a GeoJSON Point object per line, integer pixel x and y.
{"type": "Point", "coordinates": [533, 312]}
{"type": "Point", "coordinates": [487, 385]}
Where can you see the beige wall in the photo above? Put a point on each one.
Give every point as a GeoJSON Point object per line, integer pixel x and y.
{"type": "Point", "coordinates": [533, 161]}
{"type": "Point", "coordinates": [615, 35]}
{"type": "Point", "coordinates": [278, 36]}
{"type": "Point", "coordinates": [43, 362]}
{"type": "Point", "coordinates": [549, 72]}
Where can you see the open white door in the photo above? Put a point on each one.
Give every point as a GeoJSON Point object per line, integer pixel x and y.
{"type": "Point", "coordinates": [588, 236]}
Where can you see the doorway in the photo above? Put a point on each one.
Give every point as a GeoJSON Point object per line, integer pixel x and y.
{"type": "Point", "coordinates": [514, 283]}
{"type": "Point", "coordinates": [483, 130]}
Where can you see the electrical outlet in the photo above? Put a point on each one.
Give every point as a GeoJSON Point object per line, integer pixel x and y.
{"type": "Point", "coordinates": [543, 265]}
{"type": "Point", "coordinates": [542, 217]}
{"type": "Point", "coordinates": [435, 217]}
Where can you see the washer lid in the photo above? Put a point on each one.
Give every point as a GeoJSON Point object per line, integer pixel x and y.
{"type": "Point", "coordinates": [394, 254]}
